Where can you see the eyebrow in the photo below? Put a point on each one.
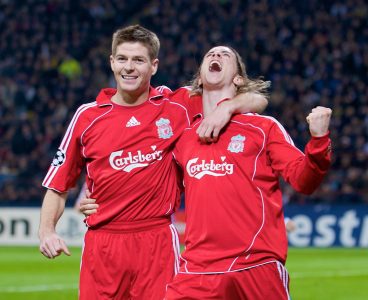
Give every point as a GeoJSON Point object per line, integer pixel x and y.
{"type": "Point", "coordinates": [134, 57]}
{"type": "Point", "coordinates": [222, 51]}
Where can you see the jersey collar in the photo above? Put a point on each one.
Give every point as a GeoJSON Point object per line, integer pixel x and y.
{"type": "Point", "coordinates": [105, 95]}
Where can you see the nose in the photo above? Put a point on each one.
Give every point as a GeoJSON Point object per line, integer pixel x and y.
{"type": "Point", "coordinates": [216, 54]}
{"type": "Point", "coordinates": [128, 66]}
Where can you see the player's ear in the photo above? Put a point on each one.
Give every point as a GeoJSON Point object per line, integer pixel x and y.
{"type": "Point", "coordinates": [112, 62]}
{"type": "Point", "coordinates": [239, 80]}
{"type": "Point", "coordinates": [155, 66]}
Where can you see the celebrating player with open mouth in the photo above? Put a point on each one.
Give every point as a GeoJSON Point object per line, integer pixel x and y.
{"type": "Point", "coordinates": [235, 238]}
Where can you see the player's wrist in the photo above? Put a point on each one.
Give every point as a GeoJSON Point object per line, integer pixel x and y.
{"type": "Point", "coordinates": [227, 105]}
{"type": "Point", "coordinates": [42, 233]}
{"type": "Point", "coordinates": [320, 135]}
{"type": "Point", "coordinates": [222, 101]}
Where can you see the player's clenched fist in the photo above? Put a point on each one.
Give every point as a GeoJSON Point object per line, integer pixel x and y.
{"type": "Point", "coordinates": [319, 121]}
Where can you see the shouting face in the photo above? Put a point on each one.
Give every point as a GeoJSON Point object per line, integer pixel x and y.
{"type": "Point", "coordinates": [219, 67]}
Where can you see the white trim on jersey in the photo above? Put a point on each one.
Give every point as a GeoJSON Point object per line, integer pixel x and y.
{"type": "Point", "coordinates": [256, 234]}
{"type": "Point", "coordinates": [174, 103]}
{"type": "Point", "coordinates": [169, 210]}
{"type": "Point", "coordinates": [284, 276]}
{"type": "Point", "coordinates": [195, 124]}
{"type": "Point", "coordinates": [186, 266]}
{"type": "Point", "coordinates": [66, 140]}
{"type": "Point", "coordinates": [282, 129]}
{"type": "Point", "coordinates": [260, 193]}
{"type": "Point", "coordinates": [89, 126]}
{"type": "Point", "coordinates": [231, 271]}
{"type": "Point", "coordinates": [161, 88]}
{"type": "Point", "coordinates": [176, 247]}
{"type": "Point", "coordinates": [83, 146]}
{"type": "Point", "coordinates": [187, 87]}
{"type": "Point", "coordinates": [263, 220]}
{"type": "Point", "coordinates": [263, 144]}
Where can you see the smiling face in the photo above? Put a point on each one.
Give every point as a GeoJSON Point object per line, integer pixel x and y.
{"type": "Point", "coordinates": [133, 69]}
{"type": "Point", "coordinates": [219, 67]}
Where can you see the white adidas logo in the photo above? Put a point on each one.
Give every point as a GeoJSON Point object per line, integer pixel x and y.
{"type": "Point", "coordinates": [132, 122]}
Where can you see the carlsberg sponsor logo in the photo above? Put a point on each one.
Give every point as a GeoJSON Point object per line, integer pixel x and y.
{"type": "Point", "coordinates": [130, 160]}
{"type": "Point", "coordinates": [199, 169]}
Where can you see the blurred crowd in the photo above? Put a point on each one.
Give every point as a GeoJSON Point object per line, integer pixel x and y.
{"type": "Point", "coordinates": [54, 56]}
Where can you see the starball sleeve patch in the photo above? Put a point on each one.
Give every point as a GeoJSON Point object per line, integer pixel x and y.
{"type": "Point", "coordinates": [59, 158]}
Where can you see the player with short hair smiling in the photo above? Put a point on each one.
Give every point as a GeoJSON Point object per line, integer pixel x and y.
{"type": "Point", "coordinates": [124, 140]}
{"type": "Point", "coordinates": [235, 239]}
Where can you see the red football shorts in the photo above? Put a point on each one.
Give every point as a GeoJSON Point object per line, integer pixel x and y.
{"type": "Point", "coordinates": [269, 281]}
{"type": "Point", "coordinates": [128, 265]}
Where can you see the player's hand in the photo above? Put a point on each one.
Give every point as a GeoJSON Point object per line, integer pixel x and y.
{"type": "Point", "coordinates": [290, 226]}
{"type": "Point", "coordinates": [209, 130]}
{"type": "Point", "coordinates": [319, 121]}
{"type": "Point", "coordinates": [52, 245]}
{"type": "Point", "coordinates": [88, 206]}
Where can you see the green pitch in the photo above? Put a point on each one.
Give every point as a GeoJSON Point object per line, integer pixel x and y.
{"type": "Point", "coordinates": [336, 274]}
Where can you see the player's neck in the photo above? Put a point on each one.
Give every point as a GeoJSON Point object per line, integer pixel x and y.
{"type": "Point", "coordinates": [211, 98]}
{"type": "Point", "coordinates": [127, 98]}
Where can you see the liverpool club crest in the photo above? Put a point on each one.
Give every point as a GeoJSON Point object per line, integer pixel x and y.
{"type": "Point", "coordinates": [237, 144]}
{"type": "Point", "coordinates": [164, 129]}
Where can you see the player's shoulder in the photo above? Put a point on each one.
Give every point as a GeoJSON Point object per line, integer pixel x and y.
{"type": "Point", "coordinates": [178, 98]}
{"type": "Point", "coordinates": [87, 108]}
{"type": "Point", "coordinates": [255, 119]}
{"type": "Point", "coordinates": [87, 112]}
{"type": "Point", "coordinates": [173, 94]}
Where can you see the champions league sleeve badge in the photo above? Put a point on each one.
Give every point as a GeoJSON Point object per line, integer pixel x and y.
{"type": "Point", "coordinates": [237, 144]}
{"type": "Point", "coordinates": [59, 158]}
{"type": "Point", "coordinates": [164, 129]}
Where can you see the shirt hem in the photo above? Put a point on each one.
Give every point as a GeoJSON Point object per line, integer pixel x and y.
{"type": "Point", "coordinates": [230, 271]}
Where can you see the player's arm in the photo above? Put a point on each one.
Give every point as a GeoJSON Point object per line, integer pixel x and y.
{"type": "Point", "coordinates": [51, 245]}
{"type": "Point", "coordinates": [246, 102]}
{"type": "Point", "coordinates": [304, 172]}
{"type": "Point", "coordinates": [211, 126]}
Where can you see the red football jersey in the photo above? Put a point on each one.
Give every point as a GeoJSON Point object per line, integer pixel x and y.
{"type": "Point", "coordinates": [127, 153]}
{"type": "Point", "coordinates": [233, 201]}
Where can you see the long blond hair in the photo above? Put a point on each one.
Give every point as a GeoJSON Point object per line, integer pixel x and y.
{"type": "Point", "coordinates": [248, 85]}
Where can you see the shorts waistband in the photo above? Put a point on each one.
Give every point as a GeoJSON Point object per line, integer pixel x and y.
{"type": "Point", "coordinates": [132, 226]}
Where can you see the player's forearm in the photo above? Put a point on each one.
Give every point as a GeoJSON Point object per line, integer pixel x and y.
{"type": "Point", "coordinates": [307, 173]}
{"type": "Point", "coordinates": [247, 102]}
{"type": "Point", "coordinates": [52, 208]}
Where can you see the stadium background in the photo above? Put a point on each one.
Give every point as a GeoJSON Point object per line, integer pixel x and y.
{"type": "Point", "coordinates": [54, 56]}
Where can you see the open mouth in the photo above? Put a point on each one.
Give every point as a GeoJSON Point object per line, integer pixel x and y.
{"type": "Point", "coordinates": [215, 66]}
{"type": "Point", "coordinates": [129, 77]}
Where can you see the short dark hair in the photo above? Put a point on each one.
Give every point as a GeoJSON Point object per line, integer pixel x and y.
{"type": "Point", "coordinates": [136, 33]}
